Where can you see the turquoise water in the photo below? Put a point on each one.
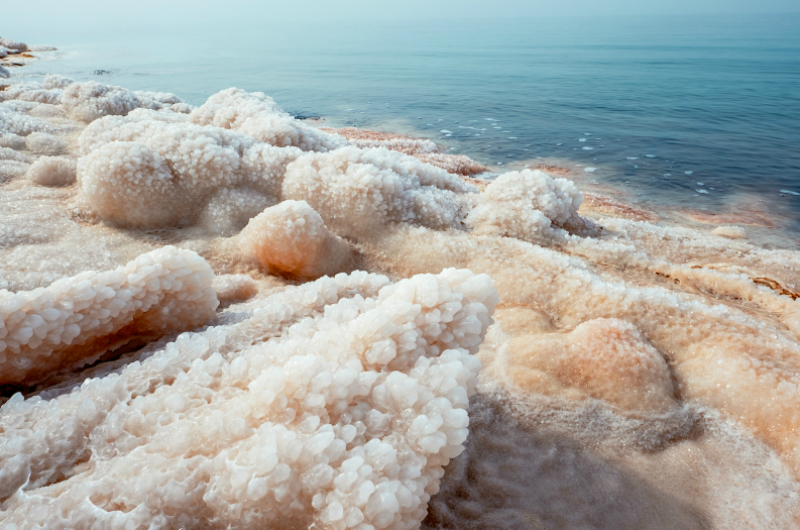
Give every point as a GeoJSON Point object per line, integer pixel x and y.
{"type": "Point", "coordinates": [694, 111]}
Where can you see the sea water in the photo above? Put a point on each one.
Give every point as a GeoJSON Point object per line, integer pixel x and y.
{"type": "Point", "coordinates": [697, 111]}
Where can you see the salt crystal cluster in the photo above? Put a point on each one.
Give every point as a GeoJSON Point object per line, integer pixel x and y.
{"type": "Point", "coordinates": [358, 191]}
{"type": "Point", "coordinates": [336, 404]}
{"type": "Point", "coordinates": [291, 240]}
{"type": "Point", "coordinates": [529, 205]}
{"type": "Point", "coordinates": [64, 325]}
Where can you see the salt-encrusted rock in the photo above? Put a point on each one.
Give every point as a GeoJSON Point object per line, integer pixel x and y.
{"type": "Point", "coordinates": [75, 319]}
{"type": "Point", "coordinates": [4, 73]}
{"type": "Point", "coordinates": [336, 404]}
{"type": "Point", "coordinates": [17, 46]}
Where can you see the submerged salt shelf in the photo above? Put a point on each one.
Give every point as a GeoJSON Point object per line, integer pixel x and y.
{"type": "Point", "coordinates": [220, 316]}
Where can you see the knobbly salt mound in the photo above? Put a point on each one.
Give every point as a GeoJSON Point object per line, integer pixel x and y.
{"type": "Point", "coordinates": [155, 169]}
{"type": "Point", "coordinates": [257, 115]}
{"type": "Point", "coordinates": [335, 404]}
{"type": "Point", "coordinates": [53, 171]}
{"type": "Point", "coordinates": [529, 205]}
{"type": "Point", "coordinates": [12, 141]}
{"type": "Point", "coordinates": [63, 325]}
{"type": "Point", "coordinates": [291, 239]}
{"type": "Point", "coordinates": [595, 359]}
{"type": "Point", "coordinates": [56, 81]}
{"type": "Point", "coordinates": [45, 144]}
{"type": "Point", "coordinates": [358, 191]}
{"type": "Point", "coordinates": [91, 100]}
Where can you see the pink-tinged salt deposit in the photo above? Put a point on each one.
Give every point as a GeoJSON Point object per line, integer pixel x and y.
{"type": "Point", "coordinates": [290, 329]}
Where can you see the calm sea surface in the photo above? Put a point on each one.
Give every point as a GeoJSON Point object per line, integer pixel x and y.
{"type": "Point", "coordinates": [694, 111]}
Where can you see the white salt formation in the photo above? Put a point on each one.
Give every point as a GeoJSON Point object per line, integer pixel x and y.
{"type": "Point", "coordinates": [257, 115]}
{"type": "Point", "coordinates": [91, 100]}
{"type": "Point", "coordinates": [53, 171]}
{"type": "Point", "coordinates": [344, 418]}
{"type": "Point", "coordinates": [529, 205]}
{"type": "Point", "coordinates": [56, 327]}
{"type": "Point", "coordinates": [638, 375]}
{"type": "Point", "coordinates": [731, 232]}
{"type": "Point", "coordinates": [45, 144]}
{"type": "Point", "coordinates": [422, 149]}
{"type": "Point", "coordinates": [291, 240]}
{"type": "Point", "coordinates": [358, 191]}
{"type": "Point", "coordinates": [155, 169]}
{"type": "Point", "coordinates": [596, 359]}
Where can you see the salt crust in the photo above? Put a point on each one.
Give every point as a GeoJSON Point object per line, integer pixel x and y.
{"type": "Point", "coordinates": [53, 171]}
{"type": "Point", "coordinates": [53, 328]}
{"type": "Point", "coordinates": [344, 418]}
{"type": "Point", "coordinates": [257, 115]}
{"type": "Point", "coordinates": [291, 240]}
{"type": "Point", "coordinates": [729, 342]}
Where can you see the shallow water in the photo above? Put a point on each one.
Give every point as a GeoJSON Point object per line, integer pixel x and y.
{"type": "Point", "coordinates": [698, 112]}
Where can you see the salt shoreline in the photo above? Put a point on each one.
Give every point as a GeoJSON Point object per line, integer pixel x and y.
{"type": "Point", "coordinates": [634, 375]}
